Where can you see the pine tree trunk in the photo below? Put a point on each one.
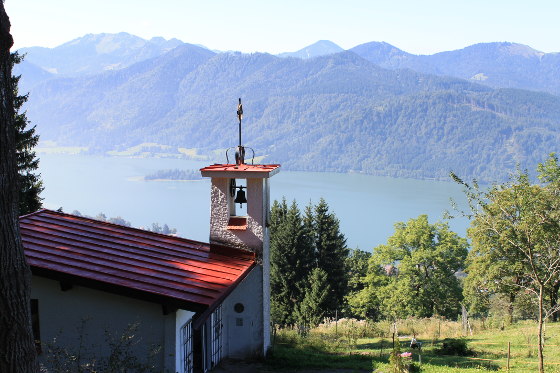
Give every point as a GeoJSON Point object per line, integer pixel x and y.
{"type": "Point", "coordinates": [17, 350]}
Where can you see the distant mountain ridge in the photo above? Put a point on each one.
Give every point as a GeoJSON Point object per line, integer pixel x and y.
{"type": "Point", "coordinates": [91, 54]}
{"type": "Point", "coordinates": [317, 49]}
{"type": "Point", "coordinates": [498, 65]}
{"type": "Point", "coordinates": [339, 112]}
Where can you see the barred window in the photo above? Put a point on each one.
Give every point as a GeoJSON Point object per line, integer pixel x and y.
{"type": "Point", "coordinates": [187, 347]}
{"type": "Point", "coordinates": [217, 326]}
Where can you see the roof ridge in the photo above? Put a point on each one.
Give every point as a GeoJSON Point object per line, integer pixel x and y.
{"type": "Point", "coordinates": [96, 221]}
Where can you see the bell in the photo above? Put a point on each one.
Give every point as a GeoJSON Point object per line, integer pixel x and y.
{"type": "Point", "coordinates": [240, 197]}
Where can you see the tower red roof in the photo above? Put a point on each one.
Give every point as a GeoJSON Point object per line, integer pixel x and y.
{"type": "Point", "coordinates": [241, 170]}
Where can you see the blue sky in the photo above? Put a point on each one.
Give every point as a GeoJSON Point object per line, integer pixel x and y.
{"type": "Point", "coordinates": [416, 26]}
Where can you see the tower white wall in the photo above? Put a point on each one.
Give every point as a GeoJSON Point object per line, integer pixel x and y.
{"type": "Point", "coordinates": [256, 239]}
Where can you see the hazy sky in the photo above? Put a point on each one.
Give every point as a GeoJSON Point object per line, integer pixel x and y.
{"type": "Point", "coordinates": [416, 26]}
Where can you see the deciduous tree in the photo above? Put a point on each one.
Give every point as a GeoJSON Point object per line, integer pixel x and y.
{"type": "Point", "coordinates": [418, 265]}
{"type": "Point", "coordinates": [366, 302]}
{"type": "Point", "coordinates": [519, 221]}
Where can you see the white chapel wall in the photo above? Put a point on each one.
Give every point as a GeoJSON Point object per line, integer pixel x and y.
{"type": "Point", "coordinates": [243, 331]}
{"type": "Point", "coordinates": [89, 315]}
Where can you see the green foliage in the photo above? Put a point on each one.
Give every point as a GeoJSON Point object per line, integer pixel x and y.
{"type": "Point", "coordinates": [414, 273]}
{"type": "Point", "coordinates": [291, 260]}
{"type": "Point", "coordinates": [30, 183]}
{"type": "Point", "coordinates": [516, 230]}
{"type": "Point", "coordinates": [311, 311]}
{"type": "Point", "coordinates": [331, 254]}
{"type": "Point", "coordinates": [366, 303]}
{"type": "Point", "coordinates": [325, 350]}
{"type": "Point", "coordinates": [396, 363]}
{"type": "Point", "coordinates": [549, 171]}
{"type": "Point", "coordinates": [454, 346]}
{"type": "Point", "coordinates": [356, 269]}
{"type": "Point", "coordinates": [298, 245]}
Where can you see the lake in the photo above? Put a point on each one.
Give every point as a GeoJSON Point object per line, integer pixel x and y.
{"type": "Point", "coordinates": [367, 206]}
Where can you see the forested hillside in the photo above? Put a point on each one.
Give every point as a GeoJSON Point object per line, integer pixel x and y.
{"type": "Point", "coordinates": [339, 112]}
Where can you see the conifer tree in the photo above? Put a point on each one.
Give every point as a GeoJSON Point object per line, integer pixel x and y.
{"type": "Point", "coordinates": [289, 266]}
{"type": "Point", "coordinates": [312, 309]}
{"type": "Point", "coordinates": [278, 213]}
{"type": "Point", "coordinates": [331, 254]}
{"type": "Point", "coordinates": [30, 184]}
{"type": "Point", "coordinates": [307, 255]}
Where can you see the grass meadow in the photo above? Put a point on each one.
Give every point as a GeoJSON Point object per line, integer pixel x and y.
{"type": "Point", "coordinates": [361, 346]}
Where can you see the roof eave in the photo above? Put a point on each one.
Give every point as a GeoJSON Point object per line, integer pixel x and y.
{"type": "Point", "coordinates": [201, 318]}
{"type": "Point", "coordinates": [118, 290]}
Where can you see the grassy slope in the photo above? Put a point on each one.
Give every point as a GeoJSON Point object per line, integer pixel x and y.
{"type": "Point", "coordinates": [354, 348]}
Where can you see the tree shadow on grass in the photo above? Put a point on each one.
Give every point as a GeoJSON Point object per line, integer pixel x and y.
{"type": "Point", "coordinates": [306, 357]}
{"type": "Point", "coordinates": [379, 352]}
{"type": "Point", "coordinates": [459, 362]}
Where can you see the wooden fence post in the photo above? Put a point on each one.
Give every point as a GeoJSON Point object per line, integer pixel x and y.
{"type": "Point", "coordinates": [508, 355]}
{"type": "Point", "coordinates": [336, 322]}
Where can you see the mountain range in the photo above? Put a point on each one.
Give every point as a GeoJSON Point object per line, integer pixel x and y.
{"type": "Point", "coordinates": [320, 48]}
{"type": "Point", "coordinates": [372, 109]}
{"type": "Point", "coordinates": [498, 65]}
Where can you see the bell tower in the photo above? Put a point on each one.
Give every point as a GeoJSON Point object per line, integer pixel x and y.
{"type": "Point", "coordinates": [240, 184]}
{"type": "Point", "coordinates": [239, 214]}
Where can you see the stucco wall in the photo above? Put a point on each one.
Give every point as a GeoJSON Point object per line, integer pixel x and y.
{"type": "Point", "coordinates": [221, 209]}
{"type": "Point", "coordinates": [92, 318]}
{"type": "Point", "coordinates": [246, 334]}
{"type": "Point", "coordinates": [243, 331]}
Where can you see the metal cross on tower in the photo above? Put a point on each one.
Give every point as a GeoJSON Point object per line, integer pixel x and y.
{"type": "Point", "coordinates": [240, 151]}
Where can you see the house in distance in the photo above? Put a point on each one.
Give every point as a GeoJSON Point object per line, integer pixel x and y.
{"type": "Point", "coordinates": [188, 304]}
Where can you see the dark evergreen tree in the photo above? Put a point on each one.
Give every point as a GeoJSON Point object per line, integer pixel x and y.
{"type": "Point", "coordinates": [289, 265]}
{"type": "Point", "coordinates": [307, 256]}
{"type": "Point", "coordinates": [30, 183]}
{"type": "Point", "coordinates": [278, 213]}
{"type": "Point", "coordinates": [312, 309]}
{"type": "Point", "coordinates": [331, 254]}
{"type": "Point", "coordinates": [298, 245]}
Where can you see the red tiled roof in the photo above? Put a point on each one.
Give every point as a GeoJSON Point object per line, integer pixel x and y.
{"type": "Point", "coordinates": [243, 170]}
{"type": "Point", "coordinates": [187, 274]}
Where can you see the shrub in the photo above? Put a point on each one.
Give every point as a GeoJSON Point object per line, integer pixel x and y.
{"type": "Point", "coordinates": [456, 347]}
